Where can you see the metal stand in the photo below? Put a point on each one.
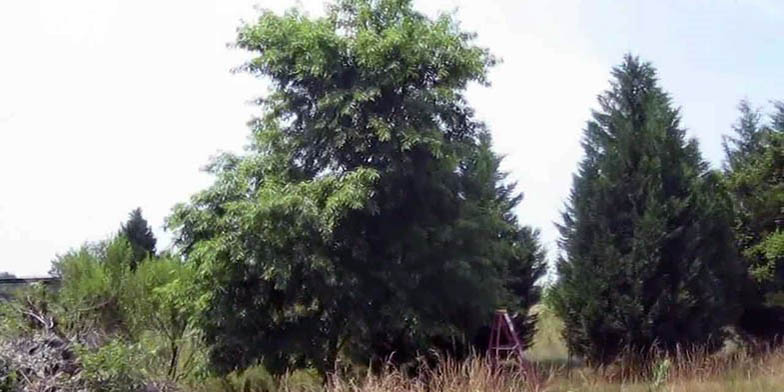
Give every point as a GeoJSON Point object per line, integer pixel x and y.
{"type": "Point", "coordinates": [503, 339]}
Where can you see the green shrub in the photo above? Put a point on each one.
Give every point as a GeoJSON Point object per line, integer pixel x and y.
{"type": "Point", "coordinates": [11, 321]}
{"type": "Point", "coordinates": [8, 377]}
{"type": "Point", "coordinates": [153, 305]}
{"type": "Point", "coordinates": [93, 280]}
{"type": "Point", "coordinates": [159, 304]}
{"type": "Point", "coordinates": [114, 367]}
{"type": "Point", "coordinates": [303, 380]}
{"type": "Point", "coordinates": [253, 379]}
{"type": "Point", "coordinates": [258, 379]}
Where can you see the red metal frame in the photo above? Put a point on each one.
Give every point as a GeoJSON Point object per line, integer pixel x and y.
{"type": "Point", "coordinates": [503, 338]}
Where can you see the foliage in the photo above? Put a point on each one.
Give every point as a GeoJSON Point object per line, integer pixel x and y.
{"type": "Point", "coordinates": [140, 236]}
{"type": "Point", "coordinates": [258, 379]}
{"type": "Point", "coordinates": [755, 179]}
{"type": "Point", "coordinates": [12, 322]}
{"type": "Point", "coordinates": [646, 234]}
{"type": "Point", "coordinates": [155, 304]}
{"type": "Point", "coordinates": [8, 377]}
{"type": "Point", "coordinates": [93, 281]}
{"type": "Point", "coordinates": [252, 379]}
{"type": "Point", "coordinates": [746, 143]}
{"type": "Point", "coordinates": [368, 216]}
{"type": "Point", "coordinates": [113, 367]}
{"type": "Point", "coordinates": [160, 299]}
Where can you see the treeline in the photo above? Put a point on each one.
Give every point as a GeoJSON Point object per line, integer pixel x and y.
{"type": "Point", "coordinates": [368, 221]}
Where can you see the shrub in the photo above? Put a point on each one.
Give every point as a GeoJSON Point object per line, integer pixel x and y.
{"type": "Point", "coordinates": [8, 377]}
{"type": "Point", "coordinates": [114, 367]}
{"type": "Point", "coordinates": [159, 304]}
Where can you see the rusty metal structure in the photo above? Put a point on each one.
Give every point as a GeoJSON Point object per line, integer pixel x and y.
{"type": "Point", "coordinates": [504, 342]}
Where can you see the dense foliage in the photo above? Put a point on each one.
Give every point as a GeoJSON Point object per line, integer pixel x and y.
{"type": "Point", "coordinates": [648, 257]}
{"type": "Point", "coordinates": [755, 178]}
{"type": "Point", "coordinates": [368, 223]}
{"type": "Point", "coordinates": [152, 306]}
{"type": "Point", "coordinates": [368, 216]}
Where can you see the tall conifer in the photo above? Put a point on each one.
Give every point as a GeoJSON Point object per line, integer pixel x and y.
{"type": "Point", "coordinates": [647, 247]}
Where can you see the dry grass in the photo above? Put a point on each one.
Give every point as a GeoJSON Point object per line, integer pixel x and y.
{"type": "Point", "coordinates": [472, 375]}
{"type": "Point", "coordinates": [735, 370]}
{"type": "Point", "coordinates": [687, 372]}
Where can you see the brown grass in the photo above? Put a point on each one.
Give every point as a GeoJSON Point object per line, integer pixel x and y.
{"type": "Point", "coordinates": [735, 369]}
{"type": "Point", "coordinates": [684, 372]}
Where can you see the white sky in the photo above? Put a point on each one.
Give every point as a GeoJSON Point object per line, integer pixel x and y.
{"type": "Point", "coordinates": [106, 105]}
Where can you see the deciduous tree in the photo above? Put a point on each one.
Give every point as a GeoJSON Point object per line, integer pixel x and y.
{"type": "Point", "coordinates": [368, 216]}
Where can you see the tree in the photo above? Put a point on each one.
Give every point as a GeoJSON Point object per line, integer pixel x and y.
{"type": "Point", "coordinates": [755, 178]}
{"type": "Point", "coordinates": [648, 257]}
{"type": "Point", "coordinates": [368, 216]}
{"type": "Point", "coordinates": [140, 236]}
{"type": "Point", "coordinates": [746, 143]}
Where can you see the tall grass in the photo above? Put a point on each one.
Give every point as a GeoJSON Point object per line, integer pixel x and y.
{"type": "Point", "coordinates": [471, 375]}
{"type": "Point", "coordinates": [692, 371]}
{"type": "Point", "coordinates": [739, 369]}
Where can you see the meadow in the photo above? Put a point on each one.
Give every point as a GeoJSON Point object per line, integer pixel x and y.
{"type": "Point", "coordinates": [735, 368]}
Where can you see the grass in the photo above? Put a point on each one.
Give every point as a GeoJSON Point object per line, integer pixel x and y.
{"type": "Point", "coordinates": [694, 371]}
{"type": "Point", "coordinates": [741, 374]}
{"type": "Point", "coordinates": [735, 370]}
{"type": "Point", "coordinates": [730, 370]}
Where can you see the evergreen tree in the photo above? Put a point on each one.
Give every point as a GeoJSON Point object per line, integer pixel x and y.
{"type": "Point", "coordinates": [140, 236]}
{"type": "Point", "coordinates": [755, 177]}
{"type": "Point", "coordinates": [648, 258]}
{"type": "Point", "coordinates": [368, 216]}
{"type": "Point", "coordinates": [746, 143]}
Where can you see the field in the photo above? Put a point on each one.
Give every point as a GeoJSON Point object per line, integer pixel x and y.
{"type": "Point", "coordinates": [733, 369]}
{"type": "Point", "coordinates": [730, 370]}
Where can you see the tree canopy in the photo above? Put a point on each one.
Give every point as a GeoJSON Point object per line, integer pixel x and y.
{"type": "Point", "coordinates": [368, 216]}
{"type": "Point", "coordinates": [755, 177]}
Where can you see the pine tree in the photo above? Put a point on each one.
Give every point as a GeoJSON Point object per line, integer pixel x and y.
{"type": "Point", "coordinates": [368, 216]}
{"type": "Point", "coordinates": [740, 148]}
{"type": "Point", "coordinates": [755, 178]}
{"type": "Point", "coordinates": [140, 235]}
{"type": "Point", "coordinates": [648, 258]}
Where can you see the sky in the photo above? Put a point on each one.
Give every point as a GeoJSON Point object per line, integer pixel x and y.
{"type": "Point", "coordinates": [109, 105]}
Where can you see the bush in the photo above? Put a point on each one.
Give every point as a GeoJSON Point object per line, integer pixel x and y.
{"type": "Point", "coordinates": [93, 280]}
{"type": "Point", "coordinates": [154, 304]}
{"type": "Point", "coordinates": [160, 305]}
{"type": "Point", "coordinates": [253, 379]}
{"type": "Point", "coordinates": [114, 367]}
{"type": "Point", "coordinates": [8, 377]}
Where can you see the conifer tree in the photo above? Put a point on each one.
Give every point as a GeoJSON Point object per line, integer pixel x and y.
{"type": "Point", "coordinates": [140, 236]}
{"type": "Point", "coordinates": [755, 178]}
{"type": "Point", "coordinates": [648, 257]}
{"type": "Point", "coordinates": [746, 142]}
